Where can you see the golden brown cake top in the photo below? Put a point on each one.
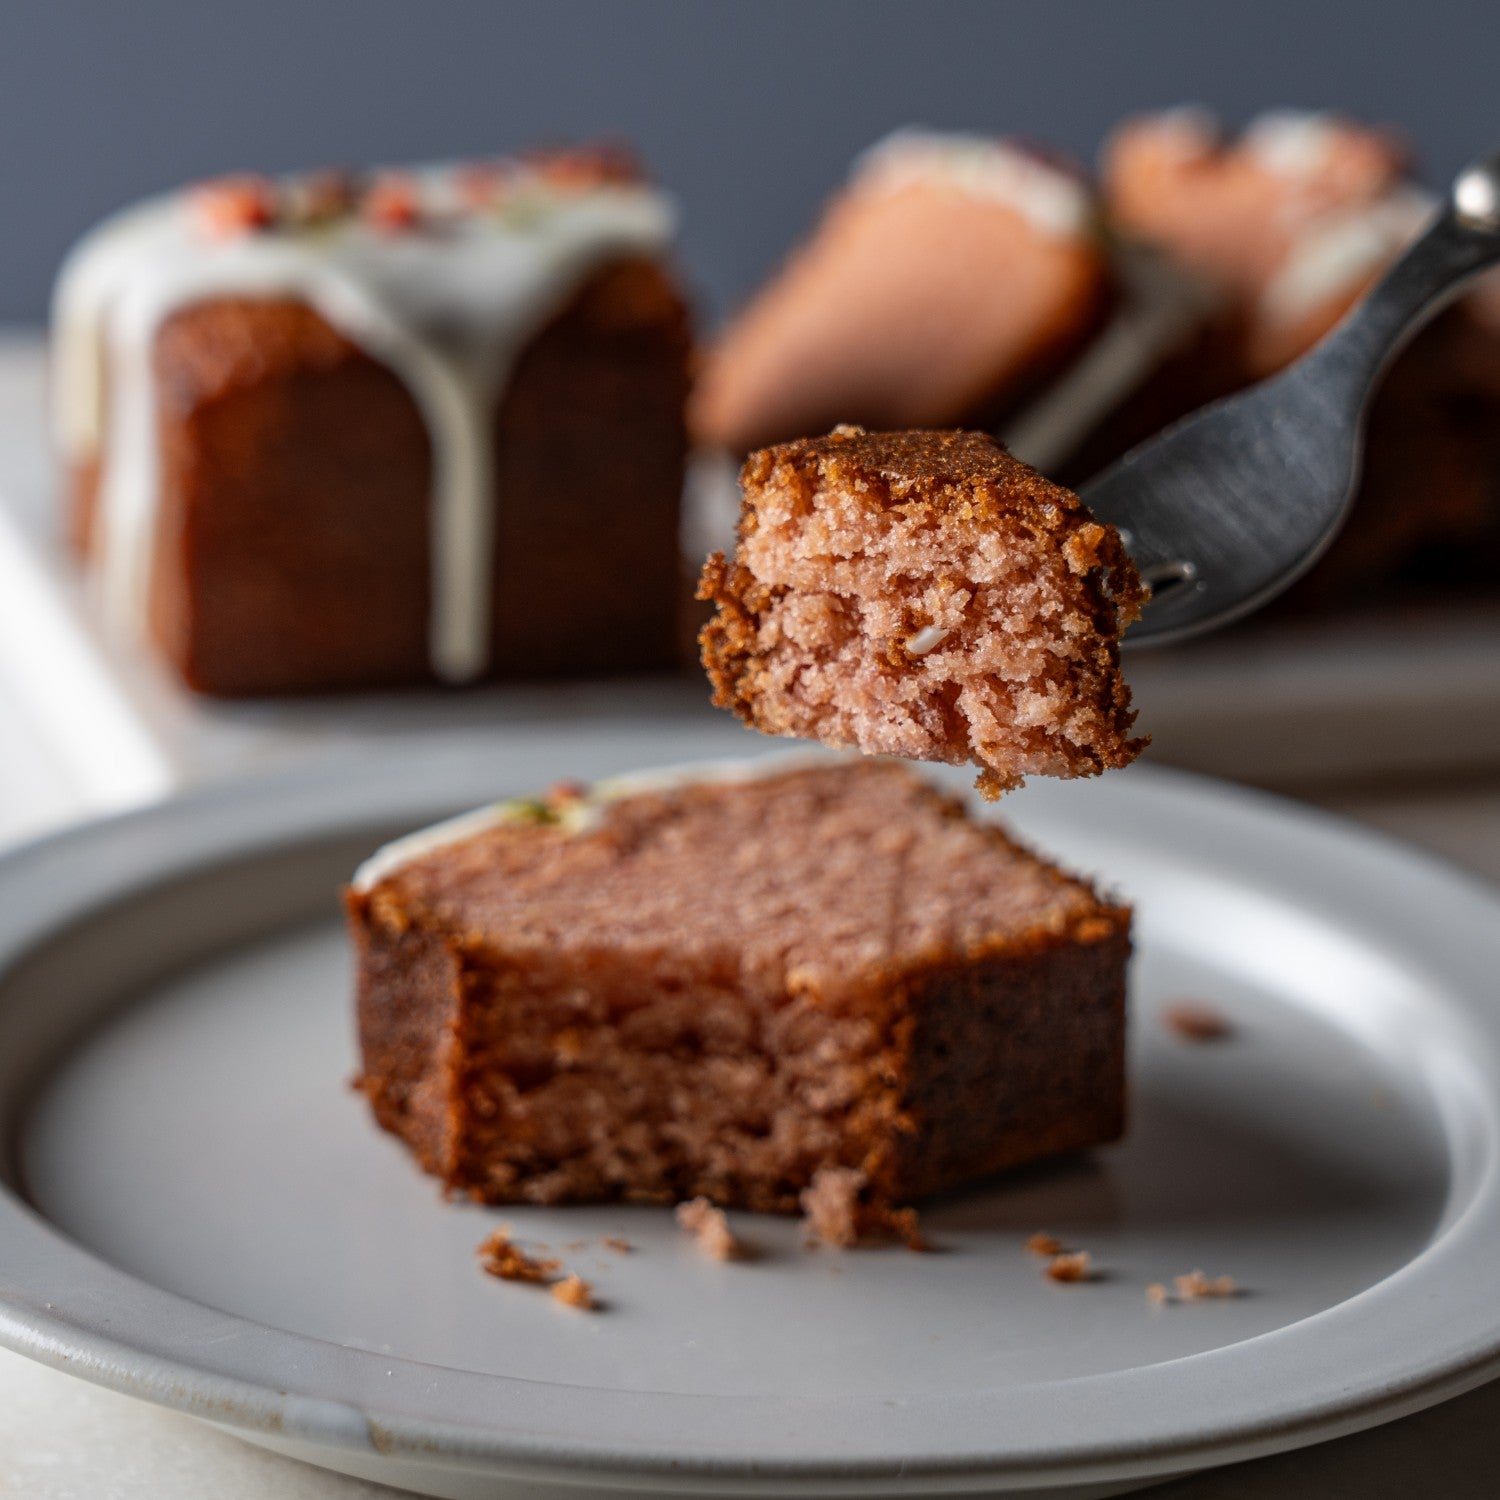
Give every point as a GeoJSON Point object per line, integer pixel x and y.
{"type": "Point", "coordinates": [966, 475]}
{"type": "Point", "coordinates": [942, 468]}
{"type": "Point", "coordinates": [817, 877]}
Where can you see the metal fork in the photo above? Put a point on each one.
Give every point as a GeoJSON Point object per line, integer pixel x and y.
{"type": "Point", "coordinates": [1230, 505]}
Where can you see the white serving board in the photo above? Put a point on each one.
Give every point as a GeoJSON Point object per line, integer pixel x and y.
{"type": "Point", "coordinates": [1349, 698]}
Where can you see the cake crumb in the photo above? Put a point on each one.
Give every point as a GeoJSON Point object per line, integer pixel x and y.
{"type": "Point", "coordinates": [1196, 1022]}
{"type": "Point", "coordinates": [618, 1243]}
{"type": "Point", "coordinates": [901, 1224]}
{"type": "Point", "coordinates": [830, 1206]}
{"type": "Point", "coordinates": [710, 1227]}
{"type": "Point", "coordinates": [1074, 1266]}
{"type": "Point", "coordinates": [1042, 1243]}
{"type": "Point", "coordinates": [1157, 1295]}
{"type": "Point", "coordinates": [1195, 1286]}
{"type": "Point", "coordinates": [837, 1210]}
{"type": "Point", "coordinates": [500, 1256]}
{"type": "Point", "coordinates": [574, 1291]}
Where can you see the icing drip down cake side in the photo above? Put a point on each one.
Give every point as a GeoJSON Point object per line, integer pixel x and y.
{"type": "Point", "coordinates": [329, 432]}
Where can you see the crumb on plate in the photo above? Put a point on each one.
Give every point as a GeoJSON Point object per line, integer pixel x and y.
{"type": "Point", "coordinates": [1042, 1243]}
{"type": "Point", "coordinates": [1074, 1266]}
{"type": "Point", "coordinates": [1195, 1022]}
{"type": "Point", "coordinates": [837, 1209]}
{"type": "Point", "coordinates": [574, 1291]}
{"type": "Point", "coordinates": [1195, 1286]}
{"type": "Point", "coordinates": [499, 1255]}
{"type": "Point", "coordinates": [709, 1226]}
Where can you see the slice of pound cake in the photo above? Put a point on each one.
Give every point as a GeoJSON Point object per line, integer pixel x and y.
{"type": "Point", "coordinates": [947, 283]}
{"type": "Point", "coordinates": [956, 280]}
{"type": "Point", "coordinates": [720, 986]}
{"type": "Point", "coordinates": [926, 595]}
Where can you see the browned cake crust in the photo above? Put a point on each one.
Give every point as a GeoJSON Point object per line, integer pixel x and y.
{"type": "Point", "coordinates": [961, 473]}
{"type": "Point", "coordinates": [293, 550]}
{"type": "Point", "coordinates": [854, 546]}
{"type": "Point", "coordinates": [719, 990]}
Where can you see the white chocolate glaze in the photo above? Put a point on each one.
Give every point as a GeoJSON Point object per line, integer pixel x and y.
{"type": "Point", "coordinates": [1291, 142]}
{"type": "Point", "coordinates": [448, 305]}
{"type": "Point", "coordinates": [1339, 253]}
{"type": "Point", "coordinates": [581, 815]}
{"type": "Point", "coordinates": [1054, 201]}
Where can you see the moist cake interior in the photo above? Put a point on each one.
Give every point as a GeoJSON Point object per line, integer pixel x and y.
{"type": "Point", "coordinates": [924, 595]}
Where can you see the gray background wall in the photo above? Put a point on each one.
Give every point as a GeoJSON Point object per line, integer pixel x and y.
{"type": "Point", "coordinates": [748, 109]}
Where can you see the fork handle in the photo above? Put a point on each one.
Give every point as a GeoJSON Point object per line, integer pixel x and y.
{"type": "Point", "coordinates": [1462, 240]}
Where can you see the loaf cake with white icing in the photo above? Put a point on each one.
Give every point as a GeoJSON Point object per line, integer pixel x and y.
{"type": "Point", "coordinates": [329, 432]}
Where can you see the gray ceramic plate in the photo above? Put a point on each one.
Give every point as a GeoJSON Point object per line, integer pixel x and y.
{"type": "Point", "coordinates": [197, 1210]}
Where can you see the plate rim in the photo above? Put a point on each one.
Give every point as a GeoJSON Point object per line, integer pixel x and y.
{"type": "Point", "coordinates": [101, 1329]}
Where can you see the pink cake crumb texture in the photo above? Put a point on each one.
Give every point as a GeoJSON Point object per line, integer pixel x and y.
{"type": "Point", "coordinates": [924, 595]}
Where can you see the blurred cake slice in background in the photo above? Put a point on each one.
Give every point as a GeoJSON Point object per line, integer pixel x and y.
{"type": "Point", "coordinates": [333, 433]}
{"type": "Point", "coordinates": [1232, 210]}
{"type": "Point", "coordinates": [1290, 223]}
{"type": "Point", "coordinates": [956, 281]}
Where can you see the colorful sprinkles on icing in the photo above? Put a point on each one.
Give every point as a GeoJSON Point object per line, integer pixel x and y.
{"type": "Point", "coordinates": [230, 206]}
